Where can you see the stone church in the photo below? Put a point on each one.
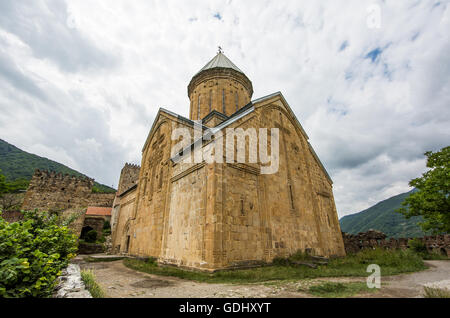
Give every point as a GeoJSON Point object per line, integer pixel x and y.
{"type": "Point", "coordinates": [219, 215]}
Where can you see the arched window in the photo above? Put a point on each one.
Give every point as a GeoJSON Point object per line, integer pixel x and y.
{"type": "Point", "coordinates": [210, 100]}
{"type": "Point", "coordinates": [161, 175]}
{"type": "Point", "coordinates": [198, 111]}
{"type": "Point", "coordinates": [223, 101]}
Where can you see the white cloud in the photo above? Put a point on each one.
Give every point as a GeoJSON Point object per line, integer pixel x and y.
{"type": "Point", "coordinates": [81, 81]}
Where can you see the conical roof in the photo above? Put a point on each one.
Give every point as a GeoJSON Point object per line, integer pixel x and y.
{"type": "Point", "coordinates": [220, 60]}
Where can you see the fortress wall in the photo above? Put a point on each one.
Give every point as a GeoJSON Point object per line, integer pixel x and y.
{"type": "Point", "coordinates": [54, 191]}
{"type": "Point", "coordinates": [372, 239]}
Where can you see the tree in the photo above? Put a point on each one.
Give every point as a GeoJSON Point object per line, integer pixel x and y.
{"type": "Point", "coordinates": [3, 184]}
{"type": "Point", "coordinates": [10, 196]}
{"type": "Point", "coordinates": [432, 200]}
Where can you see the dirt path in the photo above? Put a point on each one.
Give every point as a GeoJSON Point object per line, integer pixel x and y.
{"type": "Point", "coordinates": [411, 285]}
{"type": "Point", "coordinates": [122, 282]}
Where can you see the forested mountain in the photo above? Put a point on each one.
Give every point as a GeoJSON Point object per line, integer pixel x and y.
{"type": "Point", "coordinates": [382, 217]}
{"type": "Point", "coordinates": [17, 164]}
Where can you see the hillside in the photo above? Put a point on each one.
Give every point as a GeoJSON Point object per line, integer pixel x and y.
{"type": "Point", "coordinates": [17, 164]}
{"type": "Point", "coordinates": [382, 217]}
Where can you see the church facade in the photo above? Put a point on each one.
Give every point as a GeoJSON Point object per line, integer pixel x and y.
{"type": "Point", "coordinates": [213, 215]}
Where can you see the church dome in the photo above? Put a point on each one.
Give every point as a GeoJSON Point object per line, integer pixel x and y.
{"type": "Point", "coordinates": [219, 86]}
{"type": "Point", "coordinates": [220, 60]}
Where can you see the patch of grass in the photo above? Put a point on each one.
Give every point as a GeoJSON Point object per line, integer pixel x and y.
{"type": "Point", "coordinates": [102, 259]}
{"type": "Point", "coordinates": [391, 262]}
{"type": "Point", "coordinates": [419, 247]}
{"type": "Point", "coordinates": [298, 256]}
{"type": "Point", "coordinates": [431, 292]}
{"type": "Point", "coordinates": [88, 278]}
{"type": "Point", "coordinates": [435, 257]}
{"type": "Point", "coordinates": [330, 289]}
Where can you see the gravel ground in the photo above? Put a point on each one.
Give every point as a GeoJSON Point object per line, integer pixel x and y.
{"type": "Point", "coordinates": [121, 282]}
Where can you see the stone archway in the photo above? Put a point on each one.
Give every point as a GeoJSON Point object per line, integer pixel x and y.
{"type": "Point", "coordinates": [84, 231]}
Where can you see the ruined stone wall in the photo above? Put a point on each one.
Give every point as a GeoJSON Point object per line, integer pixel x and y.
{"type": "Point", "coordinates": [129, 176]}
{"type": "Point", "coordinates": [77, 224]}
{"type": "Point", "coordinates": [12, 216]}
{"type": "Point", "coordinates": [55, 191]}
{"type": "Point", "coordinates": [96, 223]}
{"type": "Point", "coordinates": [372, 239]}
{"type": "Point", "coordinates": [100, 199]}
{"type": "Point", "coordinates": [76, 213]}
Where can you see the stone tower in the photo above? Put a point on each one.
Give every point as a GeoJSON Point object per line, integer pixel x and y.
{"type": "Point", "coordinates": [128, 177]}
{"type": "Point", "coordinates": [219, 86]}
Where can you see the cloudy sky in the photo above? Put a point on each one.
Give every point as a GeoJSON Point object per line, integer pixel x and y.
{"type": "Point", "coordinates": [81, 81]}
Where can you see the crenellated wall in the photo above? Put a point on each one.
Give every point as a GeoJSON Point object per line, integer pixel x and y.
{"type": "Point", "coordinates": [129, 176]}
{"type": "Point", "coordinates": [54, 191]}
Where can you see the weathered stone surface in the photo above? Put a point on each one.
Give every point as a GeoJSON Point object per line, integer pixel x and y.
{"type": "Point", "coordinates": [372, 239]}
{"type": "Point", "coordinates": [50, 191]}
{"type": "Point", "coordinates": [222, 90]}
{"type": "Point", "coordinates": [94, 223]}
{"type": "Point", "coordinates": [70, 284]}
{"type": "Point", "coordinates": [129, 177]}
{"type": "Point", "coordinates": [90, 248]}
{"type": "Point", "coordinates": [12, 216]}
{"type": "Point", "coordinates": [108, 245]}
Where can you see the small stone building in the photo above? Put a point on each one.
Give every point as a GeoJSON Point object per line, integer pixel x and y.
{"type": "Point", "coordinates": [219, 215]}
{"type": "Point", "coordinates": [95, 218]}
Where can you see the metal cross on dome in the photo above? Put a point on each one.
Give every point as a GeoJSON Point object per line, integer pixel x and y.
{"type": "Point", "coordinates": [220, 50]}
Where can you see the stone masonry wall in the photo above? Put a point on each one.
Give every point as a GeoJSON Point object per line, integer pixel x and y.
{"type": "Point", "coordinates": [12, 216]}
{"type": "Point", "coordinates": [222, 90]}
{"type": "Point", "coordinates": [55, 191]}
{"type": "Point", "coordinates": [129, 177]}
{"type": "Point", "coordinates": [371, 239]}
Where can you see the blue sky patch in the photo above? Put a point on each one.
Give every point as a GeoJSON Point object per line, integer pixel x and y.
{"type": "Point", "coordinates": [344, 45]}
{"type": "Point", "coordinates": [373, 55]}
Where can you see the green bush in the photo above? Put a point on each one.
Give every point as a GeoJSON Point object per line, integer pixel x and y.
{"type": "Point", "coordinates": [296, 257]}
{"type": "Point", "coordinates": [32, 254]}
{"type": "Point", "coordinates": [106, 225]}
{"type": "Point", "coordinates": [91, 236]}
{"type": "Point", "coordinates": [417, 246]}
